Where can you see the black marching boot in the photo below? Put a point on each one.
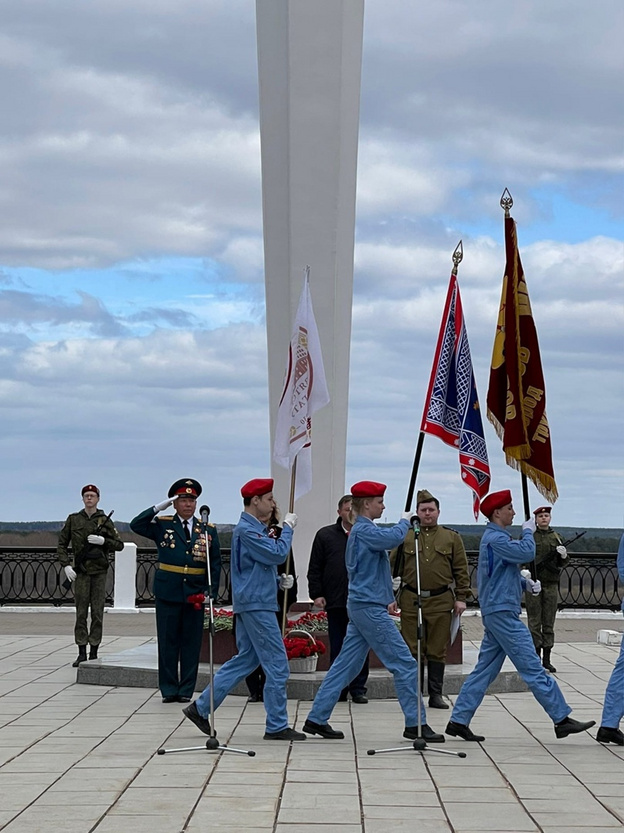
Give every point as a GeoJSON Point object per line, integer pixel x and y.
{"type": "Point", "coordinates": [93, 651]}
{"type": "Point", "coordinates": [82, 656]}
{"type": "Point", "coordinates": [435, 675]}
{"type": "Point", "coordinates": [547, 663]}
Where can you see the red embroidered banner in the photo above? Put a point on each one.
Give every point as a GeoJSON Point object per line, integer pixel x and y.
{"type": "Point", "coordinates": [516, 398]}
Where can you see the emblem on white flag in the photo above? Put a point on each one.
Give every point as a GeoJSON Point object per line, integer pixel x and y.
{"type": "Point", "coordinates": [304, 393]}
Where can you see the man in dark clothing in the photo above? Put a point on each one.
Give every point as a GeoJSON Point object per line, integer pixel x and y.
{"type": "Point", "coordinates": [328, 586]}
{"type": "Point", "coordinates": [92, 537]}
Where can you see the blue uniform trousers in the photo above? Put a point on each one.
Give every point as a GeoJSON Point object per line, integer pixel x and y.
{"type": "Point", "coordinates": [259, 642]}
{"type": "Point", "coordinates": [613, 710]}
{"type": "Point", "coordinates": [371, 627]}
{"type": "Point", "coordinates": [506, 635]}
{"type": "Point", "coordinates": [337, 623]}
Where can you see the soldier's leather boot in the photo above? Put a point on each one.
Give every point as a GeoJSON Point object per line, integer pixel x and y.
{"type": "Point", "coordinates": [93, 652]}
{"type": "Point", "coordinates": [435, 674]}
{"type": "Point", "coordinates": [547, 663]}
{"type": "Point", "coordinates": [82, 656]}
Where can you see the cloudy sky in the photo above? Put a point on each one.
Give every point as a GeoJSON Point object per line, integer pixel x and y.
{"type": "Point", "coordinates": [132, 341]}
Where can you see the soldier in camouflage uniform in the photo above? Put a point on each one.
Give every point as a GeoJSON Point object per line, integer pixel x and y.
{"type": "Point", "coordinates": [92, 537]}
{"type": "Point", "coordinates": [442, 563]}
{"type": "Point", "coordinates": [550, 557]}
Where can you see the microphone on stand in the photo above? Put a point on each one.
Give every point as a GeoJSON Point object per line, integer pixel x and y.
{"type": "Point", "coordinates": [204, 513]}
{"type": "Point", "coordinates": [415, 524]}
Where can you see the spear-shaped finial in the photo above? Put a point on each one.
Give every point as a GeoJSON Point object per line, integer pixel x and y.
{"type": "Point", "coordinates": [458, 256]}
{"type": "Point", "coordinates": [506, 202]}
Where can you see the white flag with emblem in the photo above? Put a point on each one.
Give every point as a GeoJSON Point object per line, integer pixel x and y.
{"type": "Point", "coordinates": [305, 391]}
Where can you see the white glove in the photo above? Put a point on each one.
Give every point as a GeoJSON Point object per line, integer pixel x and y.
{"type": "Point", "coordinates": [286, 582]}
{"type": "Point", "coordinates": [70, 572]}
{"type": "Point", "coordinates": [407, 516]}
{"type": "Point", "coordinates": [163, 504]}
{"type": "Point", "coordinates": [534, 587]}
{"type": "Point", "coordinates": [562, 551]}
{"type": "Point", "coordinates": [396, 583]}
{"type": "Point", "coordinates": [530, 524]}
{"type": "Point", "coordinates": [96, 539]}
{"type": "Point", "coordinates": [291, 519]}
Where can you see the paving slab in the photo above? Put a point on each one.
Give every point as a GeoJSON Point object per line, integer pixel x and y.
{"type": "Point", "coordinates": [94, 747]}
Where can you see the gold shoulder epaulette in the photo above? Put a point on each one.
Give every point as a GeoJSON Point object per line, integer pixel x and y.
{"type": "Point", "coordinates": [165, 517]}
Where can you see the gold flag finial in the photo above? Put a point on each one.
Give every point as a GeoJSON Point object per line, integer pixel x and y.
{"type": "Point", "coordinates": [506, 202]}
{"type": "Point", "coordinates": [458, 256]}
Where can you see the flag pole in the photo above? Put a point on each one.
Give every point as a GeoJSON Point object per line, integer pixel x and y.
{"type": "Point", "coordinates": [506, 203]}
{"type": "Point", "coordinates": [457, 258]}
{"type": "Point", "coordinates": [291, 507]}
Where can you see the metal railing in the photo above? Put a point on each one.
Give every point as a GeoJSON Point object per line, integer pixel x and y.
{"type": "Point", "coordinates": [33, 576]}
{"type": "Point", "coordinates": [589, 581]}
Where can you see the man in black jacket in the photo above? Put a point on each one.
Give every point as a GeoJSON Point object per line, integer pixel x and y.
{"type": "Point", "coordinates": [328, 585]}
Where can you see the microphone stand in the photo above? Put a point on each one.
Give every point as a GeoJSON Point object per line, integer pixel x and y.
{"type": "Point", "coordinates": [420, 744]}
{"type": "Point", "coordinates": [212, 744]}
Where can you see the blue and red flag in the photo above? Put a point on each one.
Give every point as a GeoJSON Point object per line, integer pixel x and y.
{"type": "Point", "coordinates": [452, 410]}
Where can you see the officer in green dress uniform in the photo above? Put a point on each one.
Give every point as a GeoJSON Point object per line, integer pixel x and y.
{"type": "Point", "coordinates": [181, 572]}
{"type": "Point", "coordinates": [444, 582]}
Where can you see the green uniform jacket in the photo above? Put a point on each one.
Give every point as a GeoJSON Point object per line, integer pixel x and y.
{"type": "Point", "coordinates": [442, 560]}
{"type": "Point", "coordinates": [168, 534]}
{"type": "Point", "coordinates": [548, 562]}
{"type": "Point", "coordinates": [86, 558]}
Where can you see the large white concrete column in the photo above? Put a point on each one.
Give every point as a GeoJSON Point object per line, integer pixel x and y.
{"type": "Point", "coordinates": [309, 59]}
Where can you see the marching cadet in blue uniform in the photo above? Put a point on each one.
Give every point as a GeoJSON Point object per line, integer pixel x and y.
{"type": "Point", "coordinates": [370, 600]}
{"type": "Point", "coordinates": [255, 556]}
{"type": "Point", "coordinates": [181, 572]}
{"type": "Point", "coordinates": [500, 591]}
{"type": "Point", "coordinates": [613, 711]}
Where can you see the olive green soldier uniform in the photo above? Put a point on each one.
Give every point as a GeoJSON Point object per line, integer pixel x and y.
{"type": "Point", "coordinates": [90, 562]}
{"type": "Point", "coordinates": [181, 572]}
{"type": "Point", "coordinates": [542, 609]}
{"type": "Point", "coordinates": [443, 563]}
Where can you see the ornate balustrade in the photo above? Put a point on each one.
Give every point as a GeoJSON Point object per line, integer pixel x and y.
{"type": "Point", "coordinates": [33, 576]}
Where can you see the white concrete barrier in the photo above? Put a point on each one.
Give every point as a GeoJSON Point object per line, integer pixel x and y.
{"type": "Point", "coordinates": [607, 637]}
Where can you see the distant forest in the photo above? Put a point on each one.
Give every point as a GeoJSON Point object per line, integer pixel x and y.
{"type": "Point", "coordinates": [45, 534]}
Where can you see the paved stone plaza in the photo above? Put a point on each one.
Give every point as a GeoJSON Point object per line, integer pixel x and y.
{"type": "Point", "coordinates": [81, 758]}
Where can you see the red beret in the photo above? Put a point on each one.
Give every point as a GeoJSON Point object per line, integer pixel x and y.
{"type": "Point", "coordinates": [494, 501]}
{"type": "Point", "coordinates": [90, 488]}
{"type": "Point", "coordinates": [539, 509]}
{"type": "Point", "coordinates": [368, 488]}
{"type": "Point", "coordinates": [259, 486]}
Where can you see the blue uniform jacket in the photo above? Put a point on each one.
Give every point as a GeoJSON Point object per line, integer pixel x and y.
{"type": "Point", "coordinates": [255, 556]}
{"type": "Point", "coordinates": [498, 575]}
{"type": "Point", "coordinates": [173, 548]}
{"type": "Point", "coordinates": [368, 563]}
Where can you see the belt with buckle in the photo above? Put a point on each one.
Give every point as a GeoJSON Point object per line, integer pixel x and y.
{"type": "Point", "coordinates": [173, 568]}
{"type": "Point", "coordinates": [426, 594]}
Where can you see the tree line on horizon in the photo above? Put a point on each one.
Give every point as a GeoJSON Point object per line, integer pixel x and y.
{"type": "Point", "coordinates": [45, 534]}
